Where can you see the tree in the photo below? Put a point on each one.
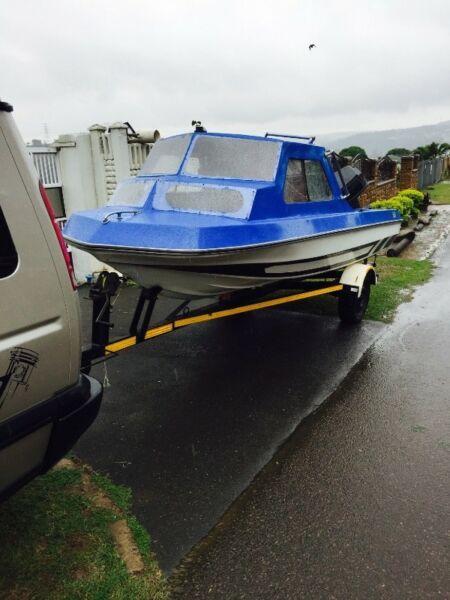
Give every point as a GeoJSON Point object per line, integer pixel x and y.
{"type": "Point", "coordinates": [399, 151]}
{"type": "Point", "coordinates": [423, 152]}
{"type": "Point", "coordinates": [352, 151]}
{"type": "Point", "coordinates": [432, 150]}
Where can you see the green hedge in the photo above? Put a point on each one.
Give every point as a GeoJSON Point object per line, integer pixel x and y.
{"type": "Point", "coordinates": [402, 203]}
{"type": "Point", "coordinates": [409, 204]}
{"type": "Point", "coordinates": [415, 195]}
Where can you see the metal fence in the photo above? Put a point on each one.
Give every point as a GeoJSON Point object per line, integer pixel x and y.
{"type": "Point", "coordinates": [46, 162]}
{"type": "Point", "coordinates": [430, 172]}
{"type": "Point", "coordinates": [138, 154]}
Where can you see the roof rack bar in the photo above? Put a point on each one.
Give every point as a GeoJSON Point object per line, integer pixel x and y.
{"type": "Point", "coordinates": [310, 138]}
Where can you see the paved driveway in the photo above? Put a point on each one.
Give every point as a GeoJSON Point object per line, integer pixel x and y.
{"type": "Point", "coordinates": [356, 504]}
{"type": "Point", "coordinates": [190, 418]}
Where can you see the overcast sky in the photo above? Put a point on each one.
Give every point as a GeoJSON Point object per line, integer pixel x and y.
{"type": "Point", "coordinates": [236, 65]}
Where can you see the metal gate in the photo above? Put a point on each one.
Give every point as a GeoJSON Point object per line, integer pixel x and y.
{"type": "Point", "coordinates": [430, 172]}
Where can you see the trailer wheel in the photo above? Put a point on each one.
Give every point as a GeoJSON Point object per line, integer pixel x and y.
{"type": "Point", "coordinates": [351, 309]}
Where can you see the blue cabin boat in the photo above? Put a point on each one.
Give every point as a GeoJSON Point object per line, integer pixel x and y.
{"type": "Point", "coordinates": [211, 213]}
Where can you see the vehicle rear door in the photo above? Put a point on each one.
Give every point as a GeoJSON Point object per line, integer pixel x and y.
{"type": "Point", "coordinates": [35, 347]}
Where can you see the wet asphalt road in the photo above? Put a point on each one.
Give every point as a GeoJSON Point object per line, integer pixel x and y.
{"type": "Point", "coordinates": [356, 504]}
{"type": "Point", "coordinates": [190, 418]}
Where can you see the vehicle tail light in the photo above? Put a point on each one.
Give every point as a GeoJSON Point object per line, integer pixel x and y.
{"type": "Point", "coordinates": [61, 241]}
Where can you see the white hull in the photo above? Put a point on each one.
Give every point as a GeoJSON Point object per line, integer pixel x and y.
{"type": "Point", "coordinates": [214, 273]}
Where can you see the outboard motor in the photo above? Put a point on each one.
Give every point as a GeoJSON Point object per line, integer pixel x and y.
{"type": "Point", "coordinates": [350, 179]}
{"type": "Point", "coordinates": [355, 183]}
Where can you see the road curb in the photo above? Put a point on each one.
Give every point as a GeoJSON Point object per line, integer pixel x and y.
{"type": "Point", "coordinates": [121, 533]}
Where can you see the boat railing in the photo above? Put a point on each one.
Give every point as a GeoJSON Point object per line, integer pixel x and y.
{"type": "Point", "coordinates": [310, 138]}
{"type": "Point", "coordinates": [119, 214]}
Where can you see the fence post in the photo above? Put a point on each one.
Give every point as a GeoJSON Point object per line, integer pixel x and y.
{"type": "Point", "coordinates": [96, 132]}
{"type": "Point", "coordinates": [406, 172]}
{"type": "Point", "coordinates": [119, 147]}
{"type": "Point", "coordinates": [369, 168]}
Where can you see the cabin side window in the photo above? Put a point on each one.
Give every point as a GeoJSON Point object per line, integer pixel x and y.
{"type": "Point", "coordinates": [318, 188]}
{"type": "Point", "coordinates": [295, 183]}
{"type": "Point", "coordinates": [305, 181]}
{"type": "Point", "coordinates": [8, 254]}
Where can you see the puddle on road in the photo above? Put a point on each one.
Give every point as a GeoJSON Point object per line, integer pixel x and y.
{"type": "Point", "coordinates": [431, 237]}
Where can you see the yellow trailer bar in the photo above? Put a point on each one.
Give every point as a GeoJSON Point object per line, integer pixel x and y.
{"type": "Point", "coordinates": [128, 342]}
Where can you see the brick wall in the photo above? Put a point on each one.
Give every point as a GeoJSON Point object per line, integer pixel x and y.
{"type": "Point", "coordinates": [409, 176]}
{"type": "Point", "coordinates": [378, 190]}
{"type": "Point", "coordinates": [383, 179]}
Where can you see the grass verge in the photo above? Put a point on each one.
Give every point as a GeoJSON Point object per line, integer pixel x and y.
{"type": "Point", "coordinates": [397, 279]}
{"type": "Point", "coordinates": [55, 543]}
{"type": "Point", "coordinates": [440, 193]}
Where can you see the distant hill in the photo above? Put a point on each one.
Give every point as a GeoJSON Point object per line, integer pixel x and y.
{"type": "Point", "coordinates": [376, 143]}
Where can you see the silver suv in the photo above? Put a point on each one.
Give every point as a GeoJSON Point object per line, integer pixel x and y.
{"type": "Point", "coordinates": [45, 403]}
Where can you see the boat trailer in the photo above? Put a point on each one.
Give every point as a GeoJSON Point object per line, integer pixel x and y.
{"type": "Point", "coordinates": [352, 286]}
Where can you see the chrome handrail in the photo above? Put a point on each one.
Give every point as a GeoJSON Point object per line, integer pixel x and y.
{"type": "Point", "coordinates": [119, 214]}
{"type": "Point", "coordinates": [310, 138]}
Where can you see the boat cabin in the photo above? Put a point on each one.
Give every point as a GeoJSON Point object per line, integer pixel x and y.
{"type": "Point", "coordinates": [236, 176]}
{"type": "Point", "coordinates": [210, 213]}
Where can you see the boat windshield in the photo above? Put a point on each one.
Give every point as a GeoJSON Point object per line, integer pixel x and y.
{"type": "Point", "coordinates": [166, 156]}
{"type": "Point", "coordinates": [233, 158]}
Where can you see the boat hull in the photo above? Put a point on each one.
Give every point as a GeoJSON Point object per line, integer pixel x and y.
{"type": "Point", "coordinates": [211, 273]}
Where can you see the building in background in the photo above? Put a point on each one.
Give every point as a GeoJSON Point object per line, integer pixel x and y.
{"type": "Point", "coordinates": [80, 171]}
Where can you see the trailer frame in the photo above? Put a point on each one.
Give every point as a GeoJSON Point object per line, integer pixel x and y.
{"type": "Point", "coordinates": [351, 285]}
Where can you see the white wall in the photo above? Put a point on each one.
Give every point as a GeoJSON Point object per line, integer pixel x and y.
{"type": "Point", "coordinates": [78, 186]}
{"type": "Point", "coordinates": [91, 164]}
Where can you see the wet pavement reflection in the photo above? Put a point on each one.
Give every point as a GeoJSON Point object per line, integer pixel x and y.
{"type": "Point", "coordinates": [190, 418]}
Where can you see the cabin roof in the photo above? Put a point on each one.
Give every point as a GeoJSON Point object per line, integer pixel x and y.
{"type": "Point", "coordinates": [284, 140]}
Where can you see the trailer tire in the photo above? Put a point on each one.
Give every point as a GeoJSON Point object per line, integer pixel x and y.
{"type": "Point", "coordinates": [351, 308]}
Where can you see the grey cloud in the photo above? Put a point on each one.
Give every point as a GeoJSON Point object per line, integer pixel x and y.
{"type": "Point", "coordinates": [233, 64]}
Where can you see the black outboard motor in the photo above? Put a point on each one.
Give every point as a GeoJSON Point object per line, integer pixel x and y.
{"type": "Point", "coordinates": [355, 183]}
{"type": "Point", "coordinates": [352, 182]}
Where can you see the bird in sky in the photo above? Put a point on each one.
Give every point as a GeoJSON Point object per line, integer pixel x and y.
{"type": "Point", "coordinates": [311, 46]}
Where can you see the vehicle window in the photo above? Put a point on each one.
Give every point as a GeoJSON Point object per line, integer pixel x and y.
{"type": "Point", "coordinates": [166, 156]}
{"type": "Point", "coordinates": [318, 188]}
{"type": "Point", "coordinates": [233, 158]}
{"type": "Point", "coordinates": [8, 254]}
{"type": "Point", "coordinates": [295, 183]}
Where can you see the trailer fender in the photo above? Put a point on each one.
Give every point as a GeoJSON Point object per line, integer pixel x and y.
{"type": "Point", "coordinates": [354, 277]}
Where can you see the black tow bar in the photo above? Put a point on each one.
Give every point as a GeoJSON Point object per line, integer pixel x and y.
{"type": "Point", "coordinates": [100, 292]}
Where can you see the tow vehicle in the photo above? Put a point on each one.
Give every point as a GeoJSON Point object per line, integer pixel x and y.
{"type": "Point", "coordinates": [46, 403]}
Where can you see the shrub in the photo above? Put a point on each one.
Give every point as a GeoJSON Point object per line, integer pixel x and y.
{"type": "Point", "coordinates": [403, 204]}
{"type": "Point", "coordinates": [409, 207]}
{"type": "Point", "coordinates": [392, 203]}
{"type": "Point", "coordinates": [415, 195]}
{"type": "Point", "coordinates": [407, 202]}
